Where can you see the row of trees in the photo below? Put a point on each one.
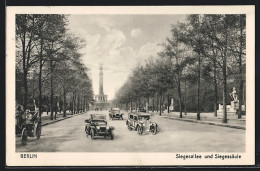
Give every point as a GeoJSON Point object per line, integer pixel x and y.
{"type": "Point", "coordinates": [204, 56]}
{"type": "Point", "coordinates": [49, 70]}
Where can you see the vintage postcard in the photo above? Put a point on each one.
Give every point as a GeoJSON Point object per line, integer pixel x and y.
{"type": "Point", "coordinates": [130, 85]}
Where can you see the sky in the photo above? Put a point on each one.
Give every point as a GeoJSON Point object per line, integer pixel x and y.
{"type": "Point", "coordinates": [119, 42]}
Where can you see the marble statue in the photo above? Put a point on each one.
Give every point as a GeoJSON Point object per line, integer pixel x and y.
{"type": "Point", "coordinates": [233, 95]}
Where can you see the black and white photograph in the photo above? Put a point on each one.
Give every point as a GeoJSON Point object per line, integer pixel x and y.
{"type": "Point", "coordinates": [122, 86]}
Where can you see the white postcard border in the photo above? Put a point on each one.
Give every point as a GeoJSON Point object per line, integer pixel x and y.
{"type": "Point", "coordinates": [125, 158]}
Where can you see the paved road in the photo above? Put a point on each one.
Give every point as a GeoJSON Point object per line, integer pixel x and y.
{"type": "Point", "coordinates": [173, 136]}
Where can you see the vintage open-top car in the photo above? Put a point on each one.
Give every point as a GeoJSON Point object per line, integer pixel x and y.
{"type": "Point", "coordinates": [115, 113]}
{"type": "Point", "coordinates": [96, 125]}
{"type": "Point", "coordinates": [140, 122]}
{"type": "Point", "coordinates": [30, 126]}
{"type": "Point", "coordinates": [141, 109]}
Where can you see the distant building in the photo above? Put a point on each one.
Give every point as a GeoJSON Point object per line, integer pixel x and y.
{"type": "Point", "coordinates": [101, 102]}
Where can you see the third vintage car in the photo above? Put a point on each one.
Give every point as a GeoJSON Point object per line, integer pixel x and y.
{"type": "Point", "coordinates": [96, 126]}
{"type": "Point", "coordinates": [115, 113]}
{"type": "Point", "coordinates": [140, 122]}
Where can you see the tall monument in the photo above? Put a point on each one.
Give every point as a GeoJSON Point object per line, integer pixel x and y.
{"type": "Point", "coordinates": [101, 98]}
{"type": "Point", "coordinates": [101, 80]}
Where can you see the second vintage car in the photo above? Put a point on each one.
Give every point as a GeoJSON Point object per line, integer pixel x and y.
{"type": "Point", "coordinates": [115, 113]}
{"type": "Point", "coordinates": [140, 122]}
{"type": "Point", "coordinates": [96, 126]}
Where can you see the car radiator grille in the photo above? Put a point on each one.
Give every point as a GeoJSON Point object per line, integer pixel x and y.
{"type": "Point", "coordinates": [103, 129]}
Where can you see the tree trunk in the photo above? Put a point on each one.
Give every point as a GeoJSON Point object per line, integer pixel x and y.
{"type": "Point", "coordinates": [160, 104]}
{"type": "Point", "coordinates": [157, 104]}
{"type": "Point", "coordinates": [139, 103]}
{"type": "Point", "coordinates": [153, 105]}
{"type": "Point", "coordinates": [48, 104]}
{"type": "Point", "coordinates": [40, 82]}
{"type": "Point", "coordinates": [225, 78]}
{"type": "Point", "coordinates": [40, 89]}
{"type": "Point", "coordinates": [198, 95]}
{"type": "Point", "coordinates": [56, 107]}
{"type": "Point", "coordinates": [84, 105]}
{"type": "Point", "coordinates": [185, 98]}
{"type": "Point", "coordinates": [179, 93]}
{"type": "Point", "coordinates": [71, 106]}
{"type": "Point", "coordinates": [168, 98]}
{"type": "Point", "coordinates": [240, 95]}
{"type": "Point", "coordinates": [131, 106]}
{"type": "Point", "coordinates": [73, 103]}
{"type": "Point", "coordinates": [215, 87]}
{"type": "Point", "coordinates": [64, 103]}
{"type": "Point", "coordinates": [25, 90]}
{"type": "Point", "coordinates": [26, 60]}
{"type": "Point", "coordinates": [51, 91]}
{"type": "Point", "coordinates": [78, 105]}
{"type": "Point", "coordinates": [60, 103]}
{"type": "Point", "coordinates": [147, 105]}
{"type": "Point", "coordinates": [25, 72]}
{"type": "Point", "coordinates": [244, 95]}
{"type": "Point", "coordinates": [81, 106]}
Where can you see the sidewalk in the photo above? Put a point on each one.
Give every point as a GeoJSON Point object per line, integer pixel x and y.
{"type": "Point", "coordinates": [207, 118]}
{"type": "Point", "coordinates": [45, 118]}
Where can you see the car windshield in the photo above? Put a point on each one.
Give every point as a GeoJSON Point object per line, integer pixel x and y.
{"type": "Point", "coordinates": [98, 117]}
{"type": "Point", "coordinates": [144, 117]}
{"type": "Point", "coordinates": [98, 122]}
{"type": "Point", "coordinates": [115, 109]}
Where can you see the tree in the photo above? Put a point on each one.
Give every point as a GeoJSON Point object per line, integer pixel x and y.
{"type": "Point", "coordinates": [238, 48]}
{"type": "Point", "coordinates": [178, 57]}
{"type": "Point", "coordinates": [219, 28]}
{"type": "Point", "coordinates": [45, 49]}
{"type": "Point", "coordinates": [207, 50]}
{"type": "Point", "coordinates": [157, 79]}
{"type": "Point", "coordinates": [50, 29]}
{"type": "Point", "coordinates": [76, 78]}
{"type": "Point", "coordinates": [193, 37]}
{"type": "Point", "coordinates": [25, 36]}
{"type": "Point", "coordinates": [55, 36]}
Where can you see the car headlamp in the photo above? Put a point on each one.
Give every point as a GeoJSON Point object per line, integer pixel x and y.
{"type": "Point", "coordinates": [98, 127]}
{"type": "Point", "coordinates": [107, 127]}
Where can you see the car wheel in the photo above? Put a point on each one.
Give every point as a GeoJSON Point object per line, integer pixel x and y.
{"type": "Point", "coordinates": [24, 136]}
{"type": "Point", "coordinates": [92, 134]}
{"type": "Point", "coordinates": [38, 132]}
{"type": "Point", "coordinates": [129, 127]}
{"type": "Point", "coordinates": [154, 131]}
{"type": "Point", "coordinates": [140, 130]}
{"type": "Point", "coordinates": [87, 132]}
{"type": "Point", "coordinates": [111, 136]}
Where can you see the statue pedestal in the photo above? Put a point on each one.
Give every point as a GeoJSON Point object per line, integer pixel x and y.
{"type": "Point", "coordinates": [171, 107]}
{"type": "Point", "coordinates": [231, 109]}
